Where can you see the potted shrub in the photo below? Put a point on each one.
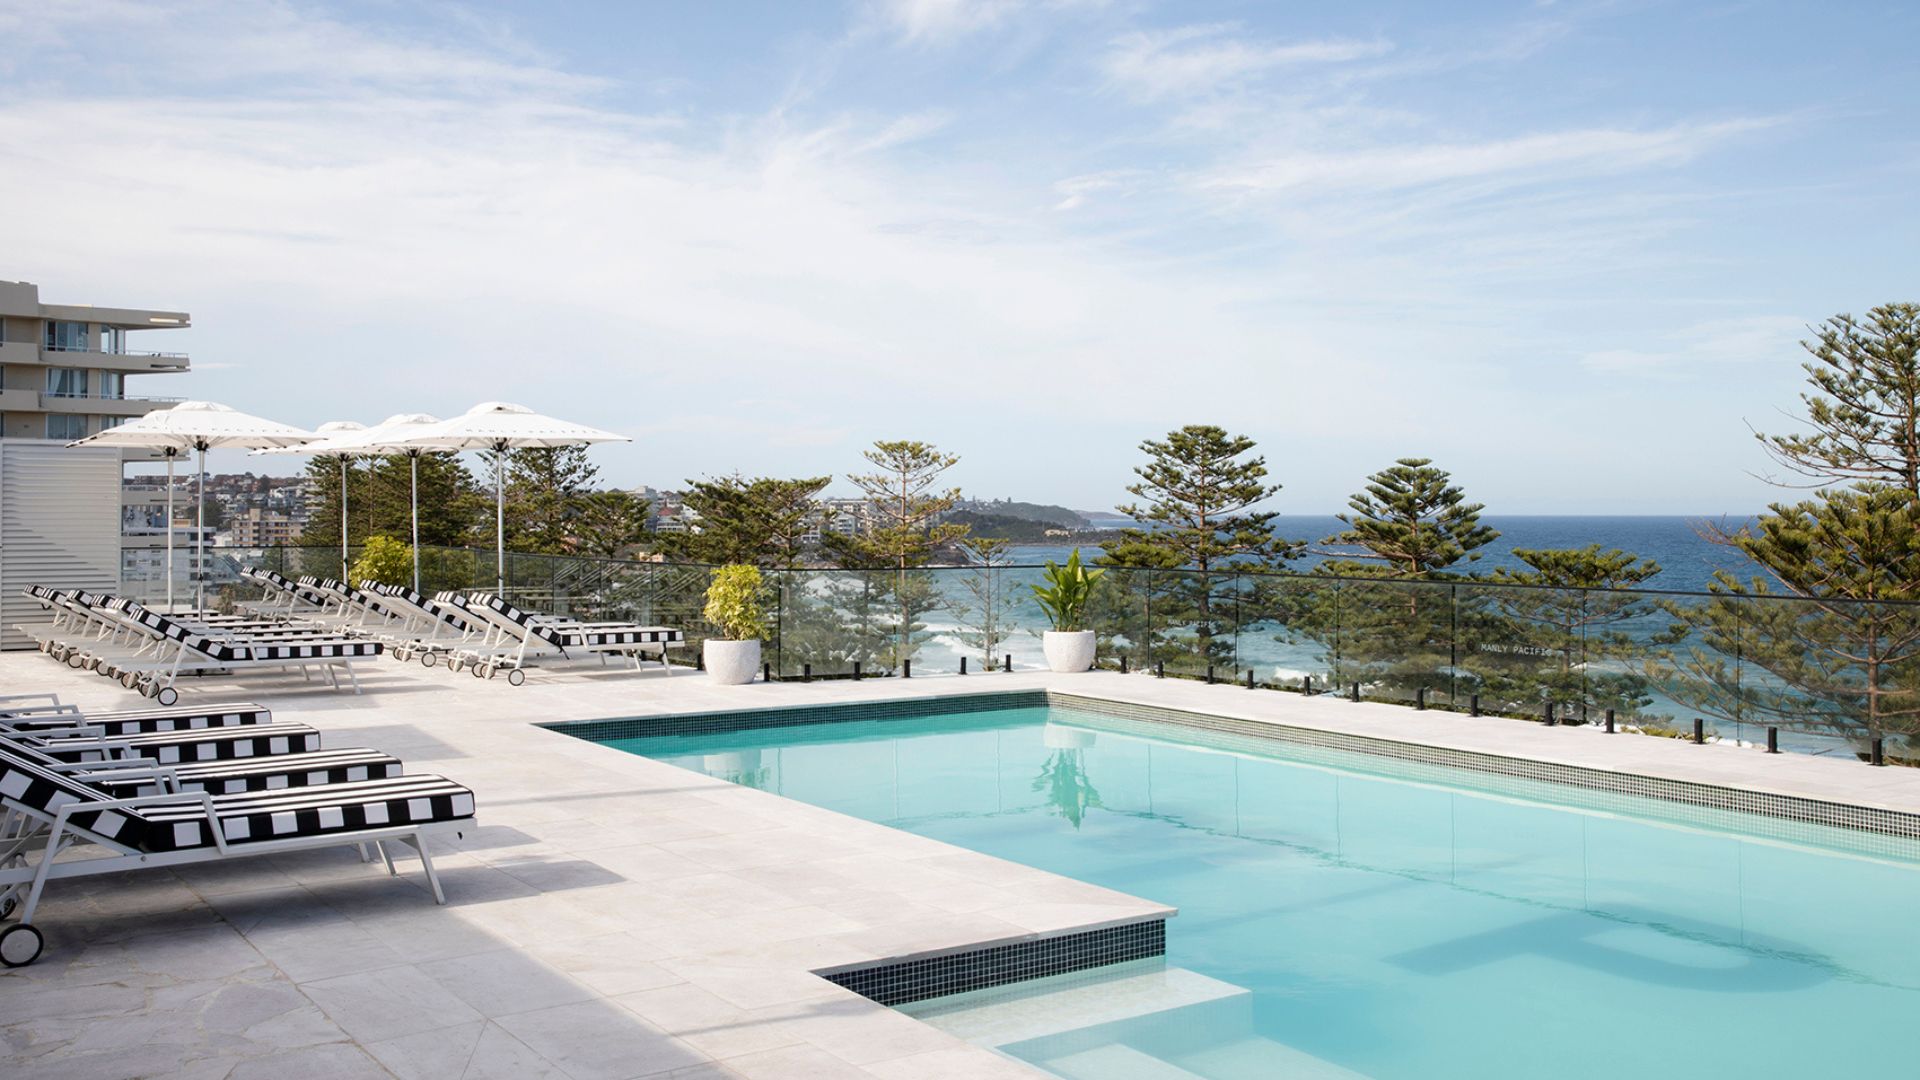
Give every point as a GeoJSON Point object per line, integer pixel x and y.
{"type": "Point", "coordinates": [1069, 645]}
{"type": "Point", "coordinates": [733, 605]}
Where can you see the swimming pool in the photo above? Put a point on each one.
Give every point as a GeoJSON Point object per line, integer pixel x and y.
{"type": "Point", "coordinates": [1348, 915]}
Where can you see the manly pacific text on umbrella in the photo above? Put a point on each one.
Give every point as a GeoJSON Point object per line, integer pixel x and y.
{"type": "Point", "coordinates": [500, 427]}
{"type": "Point", "coordinates": [352, 440]}
{"type": "Point", "coordinates": [199, 426]}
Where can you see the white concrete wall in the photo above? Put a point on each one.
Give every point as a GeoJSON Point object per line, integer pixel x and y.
{"type": "Point", "coordinates": [59, 525]}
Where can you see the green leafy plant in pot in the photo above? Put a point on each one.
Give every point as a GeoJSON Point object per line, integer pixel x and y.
{"type": "Point", "coordinates": [736, 605]}
{"type": "Point", "coordinates": [1069, 587]}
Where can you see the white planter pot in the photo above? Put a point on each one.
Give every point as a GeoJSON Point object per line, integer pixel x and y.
{"type": "Point", "coordinates": [1068, 650]}
{"type": "Point", "coordinates": [731, 663]}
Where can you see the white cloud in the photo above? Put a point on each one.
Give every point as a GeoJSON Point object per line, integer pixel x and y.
{"type": "Point", "coordinates": [1394, 167]}
{"type": "Point", "coordinates": [1195, 60]}
{"type": "Point", "coordinates": [1707, 348]}
{"type": "Point", "coordinates": [934, 21]}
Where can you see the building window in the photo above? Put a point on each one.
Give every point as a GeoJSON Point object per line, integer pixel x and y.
{"type": "Point", "coordinates": [113, 384]}
{"type": "Point", "coordinates": [66, 336]}
{"type": "Point", "coordinates": [67, 382]}
{"type": "Point", "coordinates": [113, 421]}
{"type": "Point", "coordinates": [66, 427]}
{"type": "Point", "coordinates": [113, 339]}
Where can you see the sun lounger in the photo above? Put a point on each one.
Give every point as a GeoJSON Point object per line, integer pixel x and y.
{"type": "Point", "coordinates": [145, 831]}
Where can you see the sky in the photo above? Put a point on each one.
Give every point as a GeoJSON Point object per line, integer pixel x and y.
{"type": "Point", "coordinates": [1567, 250]}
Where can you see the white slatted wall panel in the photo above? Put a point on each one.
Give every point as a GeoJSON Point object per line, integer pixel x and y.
{"type": "Point", "coordinates": [59, 525]}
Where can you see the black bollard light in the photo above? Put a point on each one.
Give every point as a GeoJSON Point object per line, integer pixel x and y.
{"type": "Point", "coordinates": [906, 668]}
{"type": "Point", "coordinates": [1209, 674]}
{"type": "Point", "coordinates": [1609, 721]}
{"type": "Point", "coordinates": [856, 671]}
{"type": "Point", "coordinates": [1356, 691]}
{"type": "Point", "coordinates": [1549, 715]}
{"type": "Point", "coordinates": [1699, 731]}
{"type": "Point", "coordinates": [806, 672]}
{"type": "Point", "coordinates": [1306, 686]}
{"type": "Point", "coordinates": [1473, 705]}
{"type": "Point", "coordinates": [1773, 740]}
{"type": "Point", "coordinates": [1160, 670]}
{"type": "Point", "coordinates": [1879, 751]}
{"type": "Point", "coordinates": [1009, 663]}
{"type": "Point", "coordinates": [963, 665]}
{"type": "Point", "coordinates": [1249, 678]}
{"type": "Point", "coordinates": [1123, 663]}
{"type": "Point", "coordinates": [700, 661]}
{"type": "Point", "coordinates": [1420, 697]}
{"type": "Point", "coordinates": [766, 672]}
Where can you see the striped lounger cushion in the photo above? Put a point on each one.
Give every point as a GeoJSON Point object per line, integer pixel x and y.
{"type": "Point", "coordinates": [270, 773]}
{"type": "Point", "coordinates": [143, 721]}
{"type": "Point", "coordinates": [207, 744]}
{"type": "Point", "coordinates": [585, 636]}
{"type": "Point", "coordinates": [343, 808]}
{"type": "Point", "coordinates": [395, 802]}
{"type": "Point", "coordinates": [232, 652]}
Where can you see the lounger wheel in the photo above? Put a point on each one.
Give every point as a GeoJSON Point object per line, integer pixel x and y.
{"type": "Point", "coordinates": [516, 677]}
{"type": "Point", "coordinates": [427, 658]}
{"type": "Point", "coordinates": [129, 680]}
{"type": "Point", "coordinates": [402, 653]}
{"type": "Point", "coordinates": [76, 660]}
{"type": "Point", "coordinates": [7, 906]}
{"type": "Point", "coordinates": [167, 695]}
{"type": "Point", "coordinates": [20, 945]}
{"type": "Point", "coordinates": [455, 664]}
{"type": "Point", "coordinates": [483, 671]}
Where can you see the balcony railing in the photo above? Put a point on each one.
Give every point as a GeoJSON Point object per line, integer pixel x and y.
{"type": "Point", "coordinates": [93, 396]}
{"type": "Point", "coordinates": [1823, 677]}
{"type": "Point", "coordinates": [69, 347]}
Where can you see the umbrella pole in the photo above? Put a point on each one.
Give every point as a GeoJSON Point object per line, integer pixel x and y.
{"type": "Point", "coordinates": [200, 536]}
{"type": "Point", "coordinates": [168, 524]}
{"type": "Point", "coordinates": [343, 520]}
{"type": "Point", "coordinates": [500, 522]}
{"type": "Point", "coordinates": [413, 458]}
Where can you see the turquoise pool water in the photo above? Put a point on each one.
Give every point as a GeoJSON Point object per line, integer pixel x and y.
{"type": "Point", "coordinates": [1398, 927]}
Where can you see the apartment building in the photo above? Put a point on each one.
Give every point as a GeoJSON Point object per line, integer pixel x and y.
{"type": "Point", "coordinates": [65, 369]}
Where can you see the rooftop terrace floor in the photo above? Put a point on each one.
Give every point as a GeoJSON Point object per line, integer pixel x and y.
{"type": "Point", "coordinates": [613, 916]}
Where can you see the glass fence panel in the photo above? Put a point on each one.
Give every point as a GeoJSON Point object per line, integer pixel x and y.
{"type": "Point", "coordinates": [1395, 638]}
{"type": "Point", "coordinates": [1829, 676]}
{"type": "Point", "coordinates": [1291, 636]}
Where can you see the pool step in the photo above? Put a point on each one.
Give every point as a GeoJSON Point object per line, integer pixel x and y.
{"type": "Point", "coordinates": [1073, 1012]}
{"type": "Point", "coordinates": [1117, 1061]}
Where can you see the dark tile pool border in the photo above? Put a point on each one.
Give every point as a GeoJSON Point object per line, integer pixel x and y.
{"type": "Point", "coordinates": [703, 723]}
{"type": "Point", "coordinates": [1902, 829]}
{"type": "Point", "coordinates": [919, 978]}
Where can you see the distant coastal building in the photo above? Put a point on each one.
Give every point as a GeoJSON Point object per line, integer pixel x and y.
{"type": "Point", "coordinates": [258, 527]}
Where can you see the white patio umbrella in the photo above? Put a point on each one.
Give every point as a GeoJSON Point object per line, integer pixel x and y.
{"type": "Point", "coordinates": [327, 436]}
{"type": "Point", "coordinates": [384, 437]}
{"type": "Point", "coordinates": [499, 427]}
{"type": "Point", "coordinates": [198, 426]}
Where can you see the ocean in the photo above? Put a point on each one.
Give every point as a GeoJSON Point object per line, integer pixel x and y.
{"type": "Point", "coordinates": [1687, 561]}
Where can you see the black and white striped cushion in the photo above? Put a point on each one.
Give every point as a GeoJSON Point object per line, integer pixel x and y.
{"type": "Point", "coordinates": [206, 744]}
{"type": "Point", "coordinates": [563, 637]}
{"type": "Point", "coordinates": [139, 721]}
{"type": "Point", "coordinates": [244, 818]}
{"type": "Point", "coordinates": [230, 652]}
{"type": "Point", "coordinates": [27, 783]}
{"type": "Point", "coordinates": [396, 801]}
{"type": "Point", "coordinates": [265, 773]}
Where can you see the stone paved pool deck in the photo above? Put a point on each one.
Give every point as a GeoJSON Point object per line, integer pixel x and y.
{"type": "Point", "coordinates": [614, 917]}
